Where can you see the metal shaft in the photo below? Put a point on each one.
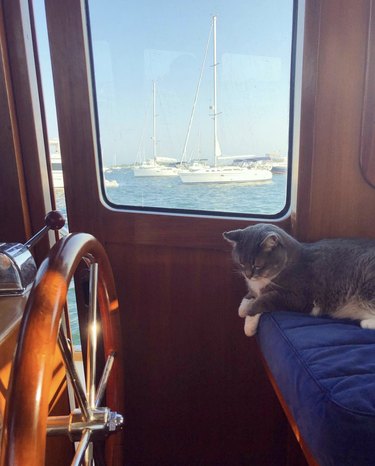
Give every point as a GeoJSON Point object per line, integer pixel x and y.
{"type": "Point", "coordinates": [92, 339]}
{"type": "Point", "coordinates": [73, 375]}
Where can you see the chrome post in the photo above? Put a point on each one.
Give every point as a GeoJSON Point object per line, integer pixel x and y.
{"type": "Point", "coordinates": [92, 336]}
{"type": "Point", "coordinates": [102, 422]}
{"type": "Point", "coordinates": [81, 448]}
{"type": "Point", "coordinates": [104, 379]}
{"type": "Point", "coordinates": [58, 425]}
{"type": "Point", "coordinates": [73, 375]}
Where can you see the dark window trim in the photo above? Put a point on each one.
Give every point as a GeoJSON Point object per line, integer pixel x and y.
{"type": "Point", "coordinates": [208, 213]}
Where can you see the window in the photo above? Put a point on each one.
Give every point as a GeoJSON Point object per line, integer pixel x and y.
{"type": "Point", "coordinates": [194, 108]}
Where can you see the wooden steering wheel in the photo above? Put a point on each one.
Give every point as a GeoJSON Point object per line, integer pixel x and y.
{"type": "Point", "coordinates": [26, 420]}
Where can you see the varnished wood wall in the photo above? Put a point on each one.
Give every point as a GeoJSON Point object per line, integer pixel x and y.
{"type": "Point", "coordinates": [333, 197]}
{"type": "Point", "coordinates": [196, 392]}
{"type": "Point", "coordinates": [25, 195]}
{"type": "Point", "coordinates": [195, 389]}
{"type": "Point", "coordinates": [13, 201]}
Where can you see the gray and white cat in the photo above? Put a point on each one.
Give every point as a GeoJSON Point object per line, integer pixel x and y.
{"type": "Point", "coordinates": [333, 276]}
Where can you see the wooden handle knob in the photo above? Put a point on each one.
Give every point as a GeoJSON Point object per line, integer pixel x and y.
{"type": "Point", "coordinates": [54, 220]}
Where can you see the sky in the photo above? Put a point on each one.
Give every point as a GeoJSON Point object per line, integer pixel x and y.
{"type": "Point", "coordinates": [136, 43]}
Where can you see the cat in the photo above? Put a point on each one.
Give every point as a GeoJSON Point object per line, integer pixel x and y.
{"type": "Point", "coordinates": [334, 277]}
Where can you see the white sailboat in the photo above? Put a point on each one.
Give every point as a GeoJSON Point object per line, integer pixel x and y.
{"type": "Point", "coordinates": [56, 166]}
{"type": "Point", "coordinates": [220, 173]}
{"type": "Point", "coordinates": [157, 166]}
{"type": "Point", "coordinates": [55, 158]}
{"type": "Point", "coordinates": [279, 163]}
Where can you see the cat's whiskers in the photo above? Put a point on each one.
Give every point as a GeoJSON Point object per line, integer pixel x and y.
{"type": "Point", "coordinates": [238, 271]}
{"type": "Point", "coordinates": [277, 285]}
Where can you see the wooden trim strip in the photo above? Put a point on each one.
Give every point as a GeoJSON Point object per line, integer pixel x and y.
{"type": "Point", "coordinates": [304, 447]}
{"type": "Point", "coordinates": [14, 206]}
{"type": "Point", "coordinates": [23, 83]}
{"type": "Point", "coordinates": [367, 151]}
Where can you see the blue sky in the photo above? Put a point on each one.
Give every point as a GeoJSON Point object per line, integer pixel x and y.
{"type": "Point", "coordinates": [138, 42]}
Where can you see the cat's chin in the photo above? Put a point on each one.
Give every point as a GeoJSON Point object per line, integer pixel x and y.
{"type": "Point", "coordinates": [251, 325]}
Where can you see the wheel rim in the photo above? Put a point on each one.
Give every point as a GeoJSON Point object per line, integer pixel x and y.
{"type": "Point", "coordinates": [26, 418]}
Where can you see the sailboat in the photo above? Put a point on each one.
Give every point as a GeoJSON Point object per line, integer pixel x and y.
{"type": "Point", "coordinates": [157, 166]}
{"type": "Point", "coordinates": [222, 173]}
{"type": "Point", "coordinates": [55, 158]}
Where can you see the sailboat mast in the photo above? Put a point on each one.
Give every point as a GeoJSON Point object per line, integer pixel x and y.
{"type": "Point", "coordinates": [216, 144]}
{"type": "Point", "coordinates": [154, 119]}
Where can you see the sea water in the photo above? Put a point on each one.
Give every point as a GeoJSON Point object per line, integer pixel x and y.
{"type": "Point", "coordinates": [168, 192]}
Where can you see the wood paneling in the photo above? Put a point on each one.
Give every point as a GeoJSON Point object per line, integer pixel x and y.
{"type": "Point", "coordinates": [368, 127]}
{"type": "Point", "coordinates": [25, 189]}
{"type": "Point", "coordinates": [15, 224]}
{"type": "Point", "coordinates": [195, 391]}
{"type": "Point", "coordinates": [333, 199]}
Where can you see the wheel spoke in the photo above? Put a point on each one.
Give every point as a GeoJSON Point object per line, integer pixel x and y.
{"type": "Point", "coordinates": [73, 375]}
{"type": "Point", "coordinates": [81, 448]}
{"type": "Point", "coordinates": [92, 339]}
{"type": "Point", "coordinates": [89, 455]}
{"type": "Point", "coordinates": [104, 379]}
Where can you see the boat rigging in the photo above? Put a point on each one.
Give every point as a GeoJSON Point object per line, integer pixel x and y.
{"type": "Point", "coordinates": [222, 173]}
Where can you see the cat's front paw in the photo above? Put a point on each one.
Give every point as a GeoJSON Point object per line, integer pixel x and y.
{"type": "Point", "coordinates": [245, 307]}
{"type": "Point", "coordinates": [368, 323]}
{"type": "Point", "coordinates": [251, 325]}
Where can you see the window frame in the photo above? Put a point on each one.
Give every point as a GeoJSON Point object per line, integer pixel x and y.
{"type": "Point", "coordinates": [293, 134]}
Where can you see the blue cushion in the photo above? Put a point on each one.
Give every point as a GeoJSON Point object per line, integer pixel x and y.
{"type": "Point", "coordinates": [325, 370]}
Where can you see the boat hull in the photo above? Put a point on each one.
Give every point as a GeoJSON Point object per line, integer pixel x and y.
{"type": "Point", "coordinates": [230, 175]}
{"type": "Point", "coordinates": [279, 168]}
{"type": "Point", "coordinates": [154, 171]}
{"type": "Point", "coordinates": [57, 178]}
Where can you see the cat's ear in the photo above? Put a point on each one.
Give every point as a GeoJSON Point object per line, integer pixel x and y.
{"type": "Point", "coordinates": [232, 236]}
{"type": "Point", "coordinates": [270, 242]}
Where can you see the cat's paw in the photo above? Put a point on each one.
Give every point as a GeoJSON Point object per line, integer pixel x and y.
{"type": "Point", "coordinates": [251, 325]}
{"type": "Point", "coordinates": [245, 307]}
{"type": "Point", "coordinates": [368, 323]}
